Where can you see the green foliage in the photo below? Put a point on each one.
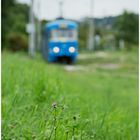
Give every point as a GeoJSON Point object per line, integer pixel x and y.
{"type": "Point", "coordinates": [44, 101]}
{"type": "Point", "coordinates": [14, 20]}
{"type": "Point", "coordinates": [126, 26]}
{"type": "Point", "coordinates": [18, 42]}
{"type": "Point", "coordinates": [6, 9]}
{"type": "Point", "coordinates": [83, 33]}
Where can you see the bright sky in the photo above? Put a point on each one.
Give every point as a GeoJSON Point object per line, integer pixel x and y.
{"type": "Point", "coordinates": [77, 9]}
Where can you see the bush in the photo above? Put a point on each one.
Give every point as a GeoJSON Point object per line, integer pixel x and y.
{"type": "Point", "coordinates": [18, 42]}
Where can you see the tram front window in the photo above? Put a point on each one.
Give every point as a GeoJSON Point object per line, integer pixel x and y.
{"type": "Point", "coordinates": [63, 35]}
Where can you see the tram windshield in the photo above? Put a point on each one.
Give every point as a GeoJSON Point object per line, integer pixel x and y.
{"type": "Point", "coordinates": [63, 35]}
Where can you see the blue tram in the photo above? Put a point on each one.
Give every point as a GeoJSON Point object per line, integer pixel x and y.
{"type": "Point", "coordinates": [60, 41]}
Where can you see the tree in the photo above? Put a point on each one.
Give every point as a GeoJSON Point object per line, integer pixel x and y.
{"type": "Point", "coordinates": [6, 9]}
{"type": "Point", "coordinates": [14, 19]}
{"type": "Point", "coordinates": [126, 27]}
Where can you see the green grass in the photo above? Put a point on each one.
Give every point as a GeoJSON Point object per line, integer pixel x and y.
{"type": "Point", "coordinates": [43, 101]}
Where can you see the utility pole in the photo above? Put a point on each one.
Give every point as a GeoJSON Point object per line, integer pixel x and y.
{"type": "Point", "coordinates": [31, 31]}
{"type": "Point", "coordinates": [39, 26]}
{"type": "Point", "coordinates": [61, 8]}
{"type": "Point", "coordinates": [90, 43]}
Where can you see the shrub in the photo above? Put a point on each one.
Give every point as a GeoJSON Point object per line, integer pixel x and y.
{"type": "Point", "coordinates": [18, 42]}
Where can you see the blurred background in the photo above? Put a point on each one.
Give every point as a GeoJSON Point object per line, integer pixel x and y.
{"type": "Point", "coordinates": [115, 23]}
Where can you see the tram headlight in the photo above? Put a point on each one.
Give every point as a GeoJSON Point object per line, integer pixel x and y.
{"type": "Point", "coordinates": [71, 49]}
{"type": "Point", "coordinates": [56, 50]}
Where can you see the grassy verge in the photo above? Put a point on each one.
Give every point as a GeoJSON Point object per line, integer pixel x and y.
{"type": "Point", "coordinates": [44, 101]}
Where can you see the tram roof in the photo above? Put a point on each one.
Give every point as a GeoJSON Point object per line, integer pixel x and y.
{"type": "Point", "coordinates": [61, 24]}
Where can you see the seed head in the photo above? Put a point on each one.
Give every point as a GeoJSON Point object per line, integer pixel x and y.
{"type": "Point", "coordinates": [54, 105]}
{"type": "Point", "coordinates": [74, 117]}
{"type": "Point", "coordinates": [33, 136]}
{"type": "Point", "coordinates": [67, 131]}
